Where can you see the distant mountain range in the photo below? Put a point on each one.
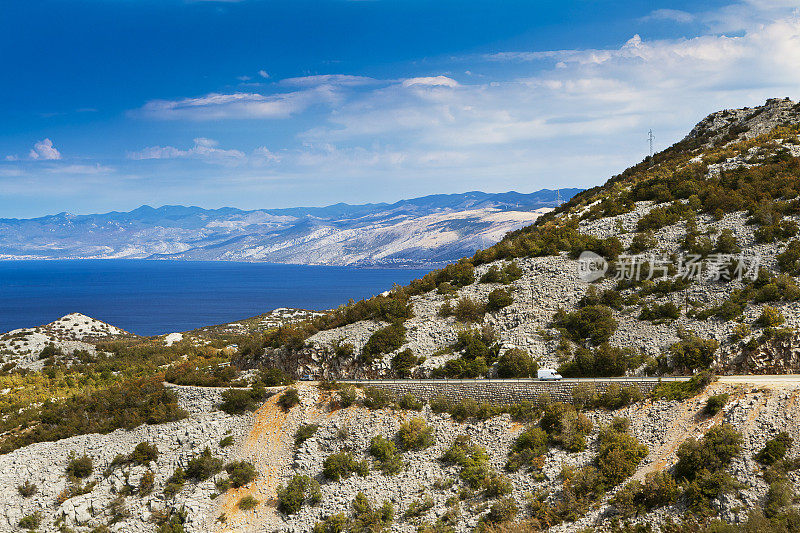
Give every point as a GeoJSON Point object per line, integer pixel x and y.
{"type": "Point", "coordinates": [420, 232]}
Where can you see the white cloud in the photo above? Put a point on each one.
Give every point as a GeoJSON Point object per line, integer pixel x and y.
{"type": "Point", "coordinates": [12, 157]}
{"type": "Point", "coordinates": [343, 80]}
{"type": "Point", "coordinates": [203, 148]}
{"type": "Point", "coordinates": [262, 154]}
{"type": "Point", "coordinates": [97, 168]}
{"type": "Point", "coordinates": [675, 15]}
{"type": "Point", "coordinates": [216, 106]}
{"type": "Point", "coordinates": [263, 74]}
{"type": "Point", "coordinates": [44, 149]}
{"type": "Point", "coordinates": [431, 81]}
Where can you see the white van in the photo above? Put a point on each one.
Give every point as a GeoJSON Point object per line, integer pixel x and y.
{"type": "Point", "coordinates": [546, 374]}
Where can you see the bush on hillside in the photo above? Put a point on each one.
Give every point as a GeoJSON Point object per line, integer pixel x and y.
{"type": "Point", "coordinates": [144, 453]}
{"type": "Point", "coordinates": [240, 473]}
{"type": "Point", "coordinates": [415, 434]}
{"type": "Point", "coordinates": [715, 403]}
{"type": "Point", "coordinates": [298, 491]}
{"type": "Point", "coordinates": [516, 363]}
{"type": "Point", "coordinates": [377, 398]}
{"type": "Point", "coordinates": [565, 426]}
{"type": "Point", "coordinates": [712, 453]}
{"type": "Point", "coordinates": [403, 362]}
{"type": "Point", "coordinates": [693, 352]}
{"type": "Point", "coordinates": [605, 360]}
{"type": "Point", "coordinates": [79, 467]}
{"type": "Point", "coordinates": [385, 453]}
{"type": "Point", "coordinates": [775, 449]}
{"type": "Point", "coordinates": [203, 466]}
{"type": "Point", "coordinates": [498, 299]}
{"type": "Point", "coordinates": [289, 398]}
{"type": "Point", "coordinates": [593, 323]}
{"type": "Point", "coordinates": [468, 310]}
{"type": "Point", "coordinates": [343, 465]}
{"type": "Point", "coordinates": [384, 340]}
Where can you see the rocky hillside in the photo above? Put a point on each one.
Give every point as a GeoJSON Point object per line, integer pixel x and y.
{"type": "Point", "coordinates": [684, 263]}
{"type": "Point", "coordinates": [423, 231]}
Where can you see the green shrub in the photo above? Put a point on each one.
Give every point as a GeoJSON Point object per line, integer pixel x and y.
{"type": "Point", "coordinates": [146, 483]}
{"type": "Point", "coordinates": [502, 510]}
{"type": "Point", "coordinates": [385, 453]}
{"type": "Point", "coordinates": [304, 432]}
{"type": "Point", "coordinates": [79, 467]}
{"type": "Point", "coordinates": [289, 398]}
{"type": "Point", "coordinates": [27, 489]}
{"type": "Point", "coordinates": [203, 466]}
{"type": "Point", "coordinates": [693, 352]}
{"type": "Point", "coordinates": [726, 243]}
{"type": "Point", "coordinates": [472, 459]}
{"type": "Point", "coordinates": [665, 311]}
{"type": "Point", "coordinates": [347, 395]}
{"type": "Point", "coordinates": [418, 508]}
{"type": "Point", "coordinates": [274, 377]}
{"type": "Point", "coordinates": [712, 453]}
{"type": "Point", "coordinates": [619, 453]}
{"type": "Point", "coordinates": [498, 299]}
{"type": "Point", "coordinates": [565, 426]}
{"type": "Point", "coordinates": [377, 398]}
{"type": "Point", "coordinates": [226, 441]}
{"type": "Point", "coordinates": [615, 397]}
{"type": "Point", "coordinates": [605, 360]}
{"type": "Point", "coordinates": [403, 362]}
{"type": "Point", "coordinates": [642, 242]}
{"type": "Point", "coordinates": [415, 434]}
{"type": "Point", "coordinates": [682, 390]}
{"type": "Point", "coordinates": [770, 317]}
{"type": "Point", "coordinates": [367, 518]}
{"type": "Point", "coordinates": [31, 521]}
{"type": "Point", "coordinates": [384, 340]}
{"type": "Point", "coordinates": [530, 444]}
{"type": "Point", "coordinates": [779, 496]}
{"type": "Point", "coordinates": [706, 486]}
{"type": "Point", "coordinates": [715, 403]}
{"type": "Point", "coordinates": [238, 401]}
{"type": "Point", "coordinates": [468, 310]}
{"type": "Point", "coordinates": [775, 449]}
{"type": "Point", "coordinates": [659, 489]}
{"type": "Point", "coordinates": [298, 491]}
{"type": "Point", "coordinates": [240, 473]}
{"type": "Point", "coordinates": [247, 503]}
{"type": "Point", "coordinates": [593, 323]}
{"type": "Point", "coordinates": [508, 273]}
{"type": "Point", "coordinates": [144, 453]}
{"type": "Point", "coordinates": [342, 465]}
{"type": "Point", "coordinates": [175, 482]}
{"type": "Point", "coordinates": [516, 363]}
{"type": "Point", "coordinates": [411, 403]}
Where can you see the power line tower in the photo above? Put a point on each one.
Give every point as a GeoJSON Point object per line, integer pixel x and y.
{"type": "Point", "coordinates": [651, 138]}
{"type": "Point", "coordinates": [558, 197]}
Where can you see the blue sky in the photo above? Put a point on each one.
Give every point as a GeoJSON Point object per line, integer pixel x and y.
{"type": "Point", "coordinates": [110, 104]}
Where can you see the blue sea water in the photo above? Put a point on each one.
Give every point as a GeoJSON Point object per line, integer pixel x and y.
{"type": "Point", "coordinates": [156, 297]}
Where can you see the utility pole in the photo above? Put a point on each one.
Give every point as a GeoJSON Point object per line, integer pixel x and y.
{"type": "Point", "coordinates": [558, 197]}
{"type": "Point", "coordinates": [651, 138]}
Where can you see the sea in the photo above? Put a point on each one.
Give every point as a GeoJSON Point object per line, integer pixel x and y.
{"type": "Point", "coordinates": [157, 297]}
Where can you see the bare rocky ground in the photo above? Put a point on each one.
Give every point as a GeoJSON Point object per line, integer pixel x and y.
{"type": "Point", "coordinates": [266, 438]}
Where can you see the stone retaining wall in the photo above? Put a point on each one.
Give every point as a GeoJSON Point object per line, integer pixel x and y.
{"type": "Point", "coordinates": [502, 392]}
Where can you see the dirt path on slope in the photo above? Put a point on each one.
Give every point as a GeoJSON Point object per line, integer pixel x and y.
{"type": "Point", "coordinates": [688, 422]}
{"type": "Point", "coordinates": [270, 447]}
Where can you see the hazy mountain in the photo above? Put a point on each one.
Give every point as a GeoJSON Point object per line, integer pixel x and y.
{"type": "Point", "coordinates": [428, 230]}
